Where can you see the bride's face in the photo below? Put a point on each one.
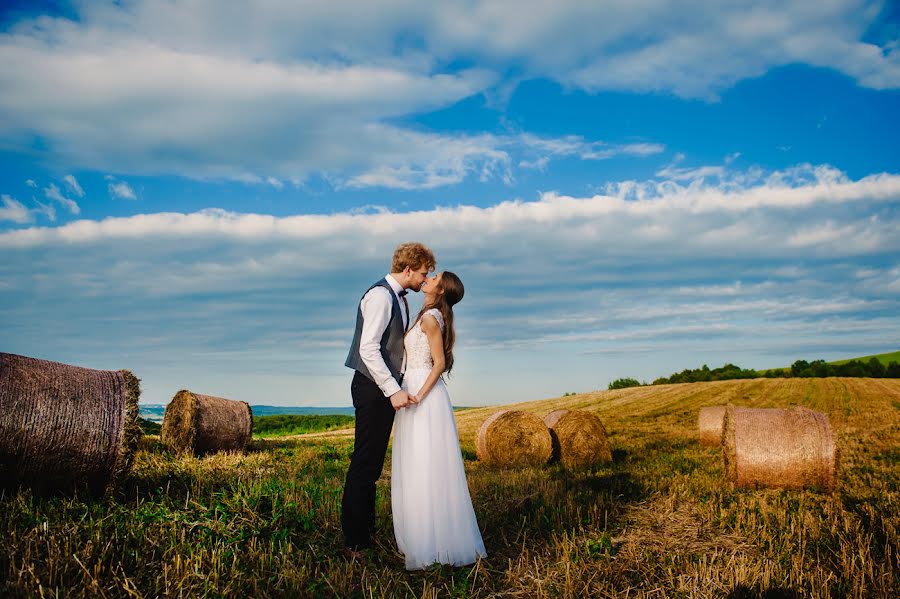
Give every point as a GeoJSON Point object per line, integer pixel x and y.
{"type": "Point", "coordinates": [432, 285]}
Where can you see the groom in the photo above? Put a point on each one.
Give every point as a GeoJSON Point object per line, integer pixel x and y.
{"type": "Point", "coordinates": [377, 356]}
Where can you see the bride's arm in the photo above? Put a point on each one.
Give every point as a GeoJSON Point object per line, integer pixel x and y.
{"type": "Point", "coordinates": [436, 344]}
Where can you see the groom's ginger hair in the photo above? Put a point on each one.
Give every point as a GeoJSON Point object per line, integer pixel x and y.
{"type": "Point", "coordinates": [414, 255]}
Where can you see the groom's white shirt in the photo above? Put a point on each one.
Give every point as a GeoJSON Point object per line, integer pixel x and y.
{"type": "Point", "coordinates": [376, 310]}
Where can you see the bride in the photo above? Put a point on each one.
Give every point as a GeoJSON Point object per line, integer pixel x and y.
{"type": "Point", "coordinates": [433, 517]}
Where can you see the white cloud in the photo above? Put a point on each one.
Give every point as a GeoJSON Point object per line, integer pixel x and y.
{"type": "Point", "coordinates": [637, 45]}
{"type": "Point", "coordinates": [46, 209]}
{"type": "Point", "coordinates": [121, 190]}
{"type": "Point", "coordinates": [205, 115]}
{"type": "Point", "coordinates": [739, 210]}
{"type": "Point", "coordinates": [575, 145]}
{"type": "Point", "coordinates": [288, 89]}
{"type": "Point", "coordinates": [73, 185]}
{"type": "Point", "coordinates": [30, 183]}
{"type": "Point", "coordinates": [15, 211]}
{"type": "Point", "coordinates": [52, 192]}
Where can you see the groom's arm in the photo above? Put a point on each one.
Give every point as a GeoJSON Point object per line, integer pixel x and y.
{"type": "Point", "coordinates": [376, 311]}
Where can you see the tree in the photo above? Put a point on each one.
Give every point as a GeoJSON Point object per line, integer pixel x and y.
{"type": "Point", "coordinates": [623, 383]}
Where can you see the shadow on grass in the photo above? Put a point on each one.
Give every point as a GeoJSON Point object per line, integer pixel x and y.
{"type": "Point", "coordinates": [619, 486]}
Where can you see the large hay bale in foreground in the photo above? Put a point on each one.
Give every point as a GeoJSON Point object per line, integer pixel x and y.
{"type": "Point", "coordinates": [772, 447]}
{"type": "Point", "coordinates": [63, 427]}
{"type": "Point", "coordinates": [579, 438]}
{"type": "Point", "coordinates": [514, 438]}
{"type": "Point", "coordinates": [709, 425]}
{"type": "Point", "coordinates": [203, 423]}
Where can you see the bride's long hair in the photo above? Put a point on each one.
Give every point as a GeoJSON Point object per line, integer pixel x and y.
{"type": "Point", "coordinates": [453, 292]}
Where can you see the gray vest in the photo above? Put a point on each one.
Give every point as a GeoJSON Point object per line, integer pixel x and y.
{"type": "Point", "coordinates": [391, 340]}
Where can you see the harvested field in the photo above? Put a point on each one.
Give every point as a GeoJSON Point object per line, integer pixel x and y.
{"type": "Point", "coordinates": [657, 521]}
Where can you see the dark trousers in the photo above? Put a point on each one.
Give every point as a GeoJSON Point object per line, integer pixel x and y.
{"type": "Point", "coordinates": [374, 418]}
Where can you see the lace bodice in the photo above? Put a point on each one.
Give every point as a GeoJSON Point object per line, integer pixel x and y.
{"type": "Point", "coordinates": [418, 353]}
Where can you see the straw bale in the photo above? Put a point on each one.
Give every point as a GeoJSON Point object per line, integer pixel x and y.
{"type": "Point", "coordinates": [709, 424]}
{"type": "Point", "coordinates": [514, 438]}
{"type": "Point", "coordinates": [790, 448]}
{"type": "Point", "coordinates": [65, 428]}
{"type": "Point", "coordinates": [579, 438]}
{"type": "Point", "coordinates": [203, 423]}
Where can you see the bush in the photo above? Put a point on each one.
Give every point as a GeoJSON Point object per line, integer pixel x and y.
{"type": "Point", "coordinates": [623, 383]}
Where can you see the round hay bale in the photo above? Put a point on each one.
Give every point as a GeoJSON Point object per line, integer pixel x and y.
{"type": "Point", "coordinates": [579, 438]}
{"type": "Point", "coordinates": [514, 438]}
{"type": "Point", "coordinates": [65, 428]}
{"type": "Point", "coordinates": [773, 447]}
{"type": "Point", "coordinates": [203, 424]}
{"type": "Point", "coordinates": [709, 424]}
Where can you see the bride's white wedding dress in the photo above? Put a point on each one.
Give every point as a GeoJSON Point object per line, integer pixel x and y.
{"type": "Point", "coordinates": [433, 516]}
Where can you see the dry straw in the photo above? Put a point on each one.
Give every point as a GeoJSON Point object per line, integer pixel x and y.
{"type": "Point", "coordinates": [202, 423]}
{"type": "Point", "coordinates": [709, 424]}
{"type": "Point", "coordinates": [63, 427]}
{"type": "Point", "coordinates": [514, 438]}
{"type": "Point", "coordinates": [579, 438]}
{"type": "Point", "coordinates": [773, 447]}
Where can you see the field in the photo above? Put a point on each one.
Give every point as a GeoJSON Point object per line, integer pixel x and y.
{"type": "Point", "coordinates": [298, 424]}
{"type": "Point", "coordinates": [657, 522]}
{"type": "Point", "coordinates": [883, 358]}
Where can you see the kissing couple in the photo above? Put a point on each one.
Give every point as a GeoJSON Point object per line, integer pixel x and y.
{"type": "Point", "coordinates": [398, 367]}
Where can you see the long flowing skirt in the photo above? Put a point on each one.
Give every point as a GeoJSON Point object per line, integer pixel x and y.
{"type": "Point", "coordinates": [433, 517]}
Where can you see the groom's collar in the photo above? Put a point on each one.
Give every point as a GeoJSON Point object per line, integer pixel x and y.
{"type": "Point", "coordinates": [397, 287]}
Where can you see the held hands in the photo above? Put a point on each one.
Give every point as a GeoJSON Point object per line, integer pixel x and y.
{"type": "Point", "coordinates": [402, 399]}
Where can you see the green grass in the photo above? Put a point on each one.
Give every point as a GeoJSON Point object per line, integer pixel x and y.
{"type": "Point", "coordinates": [883, 358]}
{"type": "Point", "coordinates": [656, 522]}
{"type": "Point", "coordinates": [148, 427]}
{"type": "Point", "coordinates": [299, 424]}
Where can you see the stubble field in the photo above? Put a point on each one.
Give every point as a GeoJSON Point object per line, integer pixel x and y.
{"type": "Point", "coordinates": [657, 522]}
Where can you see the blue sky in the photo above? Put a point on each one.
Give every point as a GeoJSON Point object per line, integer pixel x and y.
{"type": "Point", "coordinates": [626, 188]}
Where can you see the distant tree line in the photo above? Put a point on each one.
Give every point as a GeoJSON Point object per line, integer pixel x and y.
{"type": "Point", "coordinates": [801, 369]}
{"type": "Point", "coordinates": [871, 368]}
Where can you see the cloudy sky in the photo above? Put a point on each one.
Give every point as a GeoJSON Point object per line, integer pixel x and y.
{"type": "Point", "coordinates": [200, 191]}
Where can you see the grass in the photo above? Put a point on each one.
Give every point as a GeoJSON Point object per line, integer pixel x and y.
{"type": "Point", "coordinates": [298, 424]}
{"type": "Point", "coordinates": [658, 521]}
{"type": "Point", "coordinates": [883, 358]}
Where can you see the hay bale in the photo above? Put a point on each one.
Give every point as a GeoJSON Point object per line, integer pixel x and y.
{"type": "Point", "coordinates": [772, 447]}
{"type": "Point", "coordinates": [203, 424]}
{"type": "Point", "coordinates": [65, 428]}
{"type": "Point", "coordinates": [709, 424]}
{"type": "Point", "coordinates": [514, 438]}
{"type": "Point", "coordinates": [579, 438]}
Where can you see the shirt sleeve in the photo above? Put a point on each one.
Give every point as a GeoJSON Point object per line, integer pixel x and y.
{"type": "Point", "coordinates": [376, 310]}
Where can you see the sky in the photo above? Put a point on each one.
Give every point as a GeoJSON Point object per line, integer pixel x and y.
{"type": "Point", "coordinates": [200, 192]}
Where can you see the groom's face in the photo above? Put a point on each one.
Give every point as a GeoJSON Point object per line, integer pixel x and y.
{"type": "Point", "coordinates": [417, 277]}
